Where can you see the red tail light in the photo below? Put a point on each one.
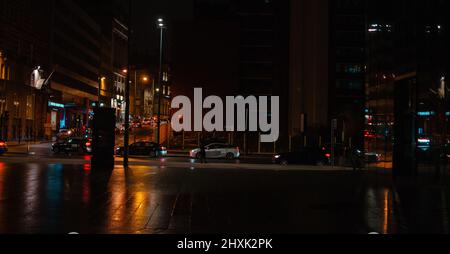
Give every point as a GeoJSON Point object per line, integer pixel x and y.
{"type": "Point", "coordinates": [328, 155]}
{"type": "Point", "coordinates": [88, 144]}
{"type": "Point", "coordinates": [2, 144]}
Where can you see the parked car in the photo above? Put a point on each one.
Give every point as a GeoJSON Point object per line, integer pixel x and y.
{"type": "Point", "coordinates": [72, 145]}
{"type": "Point", "coordinates": [372, 157]}
{"type": "Point", "coordinates": [340, 150]}
{"type": "Point", "coordinates": [64, 133]}
{"type": "Point", "coordinates": [217, 151]}
{"type": "Point", "coordinates": [3, 147]}
{"type": "Point", "coordinates": [306, 156]}
{"type": "Point", "coordinates": [144, 149]}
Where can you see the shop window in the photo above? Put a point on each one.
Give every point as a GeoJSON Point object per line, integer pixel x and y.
{"type": "Point", "coordinates": [3, 67]}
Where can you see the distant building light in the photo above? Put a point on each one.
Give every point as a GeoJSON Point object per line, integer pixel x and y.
{"type": "Point", "coordinates": [424, 140]}
{"type": "Point", "coordinates": [380, 28]}
{"type": "Point", "coordinates": [426, 113]}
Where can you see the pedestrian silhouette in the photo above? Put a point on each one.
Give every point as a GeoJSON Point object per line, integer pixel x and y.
{"type": "Point", "coordinates": [357, 159]}
{"type": "Point", "coordinates": [202, 152]}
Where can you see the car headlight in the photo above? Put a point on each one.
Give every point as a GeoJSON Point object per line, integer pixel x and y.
{"type": "Point", "coordinates": [277, 156]}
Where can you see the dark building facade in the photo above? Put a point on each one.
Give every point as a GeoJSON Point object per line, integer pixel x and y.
{"type": "Point", "coordinates": [246, 45]}
{"type": "Point", "coordinates": [66, 44]}
{"type": "Point", "coordinates": [76, 59]}
{"type": "Point", "coordinates": [112, 18]}
{"type": "Point", "coordinates": [347, 70]}
{"type": "Point", "coordinates": [380, 80]}
{"type": "Point", "coordinates": [407, 84]}
{"type": "Point", "coordinates": [264, 59]}
{"type": "Point", "coordinates": [309, 72]}
{"type": "Point", "coordinates": [24, 44]}
{"type": "Point", "coordinates": [327, 72]}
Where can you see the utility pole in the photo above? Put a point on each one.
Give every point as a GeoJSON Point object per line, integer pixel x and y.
{"type": "Point", "coordinates": [160, 91]}
{"type": "Point", "coordinates": [135, 92]}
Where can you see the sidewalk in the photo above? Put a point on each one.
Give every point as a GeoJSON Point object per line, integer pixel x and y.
{"type": "Point", "coordinates": [24, 143]}
{"type": "Point", "coordinates": [185, 153]}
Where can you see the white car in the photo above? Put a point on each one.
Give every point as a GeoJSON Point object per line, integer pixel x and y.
{"type": "Point", "coordinates": [217, 151]}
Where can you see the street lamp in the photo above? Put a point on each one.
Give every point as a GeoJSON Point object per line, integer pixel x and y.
{"type": "Point", "coordinates": [127, 90]}
{"type": "Point", "coordinates": [161, 26]}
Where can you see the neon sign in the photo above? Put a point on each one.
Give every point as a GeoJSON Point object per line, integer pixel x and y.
{"type": "Point", "coordinates": [55, 104]}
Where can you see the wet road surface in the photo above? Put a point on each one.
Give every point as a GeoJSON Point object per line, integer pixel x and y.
{"type": "Point", "coordinates": [158, 199]}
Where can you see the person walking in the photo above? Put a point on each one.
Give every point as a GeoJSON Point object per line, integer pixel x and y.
{"type": "Point", "coordinates": [357, 160]}
{"type": "Point", "coordinates": [202, 152]}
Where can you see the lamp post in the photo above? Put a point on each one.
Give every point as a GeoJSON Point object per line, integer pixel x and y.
{"type": "Point", "coordinates": [127, 94]}
{"type": "Point", "coordinates": [161, 26]}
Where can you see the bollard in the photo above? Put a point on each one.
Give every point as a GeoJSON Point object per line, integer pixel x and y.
{"type": "Point", "coordinates": [290, 143]}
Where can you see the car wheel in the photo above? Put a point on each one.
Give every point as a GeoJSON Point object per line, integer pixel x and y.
{"type": "Point", "coordinates": [230, 156]}
{"type": "Point", "coordinates": [198, 156]}
{"type": "Point", "coordinates": [284, 163]}
{"type": "Point", "coordinates": [152, 154]}
{"type": "Point", "coordinates": [56, 150]}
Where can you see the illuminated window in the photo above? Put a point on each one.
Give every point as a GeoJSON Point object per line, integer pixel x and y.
{"type": "Point", "coordinates": [2, 104]}
{"type": "Point", "coordinates": [2, 66]}
{"type": "Point", "coordinates": [30, 104]}
{"type": "Point", "coordinates": [16, 104]}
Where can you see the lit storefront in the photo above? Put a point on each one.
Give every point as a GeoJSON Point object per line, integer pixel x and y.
{"type": "Point", "coordinates": [57, 118]}
{"type": "Point", "coordinates": [118, 101]}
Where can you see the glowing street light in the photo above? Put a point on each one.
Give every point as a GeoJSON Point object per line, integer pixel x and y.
{"type": "Point", "coordinates": [161, 26]}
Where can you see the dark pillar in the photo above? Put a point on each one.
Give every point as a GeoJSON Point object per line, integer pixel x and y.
{"type": "Point", "coordinates": [405, 128]}
{"type": "Point", "coordinates": [103, 139]}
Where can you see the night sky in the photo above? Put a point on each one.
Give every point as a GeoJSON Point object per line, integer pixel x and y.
{"type": "Point", "coordinates": [202, 52]}
{"type": "Point", "coordinates": [145, 14]}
